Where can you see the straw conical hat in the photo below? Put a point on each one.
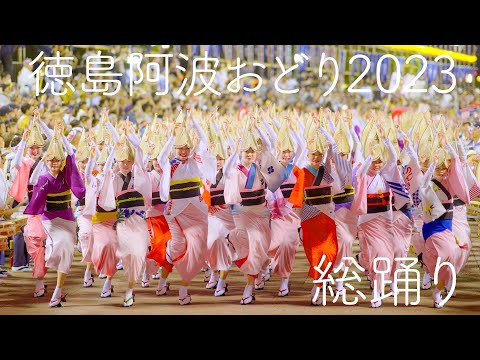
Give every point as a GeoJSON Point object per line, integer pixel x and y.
{"type": "Point", "coordinates": [419, 126]}
{"type": "Point", "coordinates": [315, 142]}
{"type": "Point", "coordinates": [83, 151]}
{"type": "Point", "coordinates": [55, 148]}
{"type": "Point", "coordinates": [124, 150]}
{"type": "Point", "coordinates": [284, 141]}
{"type": "Point", "coordinates": [209, 130]}
{"type": "Point", "coordinates": [219, 149]}
{"type": "Point", "coordinates": [35, 138]}
{"type": "Point", "coordinates": [369, 130]}
{"type": "Point", "coordinates": [370, 138]}
{"type": "Point", "coordinates": [426, 145]}
{"type": "Point", "coordinates": [144, 141]}
{"type": "Point", "coordinates": [182, 138]}
{"type": "Point", "coordinates": [102, 158]}
{"type": "Point", "coordinates": [249, 141]}
{"type": "Point", "coordinates": [392, 136]}
{"type": "Point", "coordinates": [157, 141]}
{"type": "Point", "coordinates": [449, 129]}
{"type": "Point", "coordinates": [442, 154]}
{"type": "Point", "coordinates": [375, 147]}
{"type": "Point", "coordinates": [341, 137]}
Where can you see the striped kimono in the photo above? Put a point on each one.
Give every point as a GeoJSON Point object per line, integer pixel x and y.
{"type": "Point", "coordinates": [157, 226]}
{"type": "Point", "coordinates": [316, 188]}
{"type": "Point", "coordinates": [345, 219]}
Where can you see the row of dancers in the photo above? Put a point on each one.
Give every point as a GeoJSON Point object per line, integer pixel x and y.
{"type": "Point", "coordinates": [209, 190]}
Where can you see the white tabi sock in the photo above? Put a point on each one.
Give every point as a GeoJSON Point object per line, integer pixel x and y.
{"type": "Point", "coordinates": [393, 287]}
{"type": "Point", "coordinates": [145, 277]}
{"type": "Point", "coordinates": [259, 279]}
{"type": "Point", "coordinates": [107, 285]}
{"type": "Point", "coordinates": [162, 283]}
{"type": "Point", "coordinates": [220, 284]}
{"type": "Point", "coordinates": [87, 276]}
{"type": "Point", "coordinates": [128, 294]}
{"type": "Point", "coordinates": [437, 295]}
{"type": "Point", "coordinates": [248, 291]}
{"type": "Point", "coordinates": [182, 292]}
{"type": "Point", "coordinates": [376, 295]}
{"type": "Point", "coordinates": [339, 285]}
{"type": "Point", "coordinates": [284, 284]}
{"type": "Point", "coordinates": [39, 285]}
{"type": "Point", "coordinates": [57, 293]}
{"type": "Point", "coordinates": [214, 277]}
{"type": "Point", "coordinates": [448, 286]}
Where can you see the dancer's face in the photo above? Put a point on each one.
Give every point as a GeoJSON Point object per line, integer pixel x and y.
{"type": "Point", "coordinates": [315, 159]}
{"type": "Point", "coordinates": [248, 157]}
{"type": "Point", "coordinates": [182, 153]}
{"type": "Point", "coordinates": [442, 170]}
{"type": "Point", "coordinates": [286, 157]}
{"type": "Point", "coordinates": [376, 166]}
{"type": "Point", "coordinates": [82, 165]}
{"type": "Point", "coordinates": [220, 162]}
{"type": "Point", "coordinates": [34, 152]}
{"type": "Point", "coordinates": [424, 166]}
{"type": "Point", "coordinates": [125, 166]}
{"type": "Point", "coordinates": [156, 166]}
{"type": "Point", "coordinates": [54, 165]}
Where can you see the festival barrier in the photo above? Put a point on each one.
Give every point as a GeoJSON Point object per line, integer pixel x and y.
{"type": "Point", "coordinates": [3, 243]}
{"type": "Point", "coordinates": [473, 215]}
{"type": "Point", "coordinates": [7, 228]}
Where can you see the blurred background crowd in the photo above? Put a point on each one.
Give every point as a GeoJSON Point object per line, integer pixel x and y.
{"type": "Point", "coordinates": [79, 108]}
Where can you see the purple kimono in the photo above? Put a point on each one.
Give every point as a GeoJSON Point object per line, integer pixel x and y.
{"type": "Point", "coordinates": [46, 199]}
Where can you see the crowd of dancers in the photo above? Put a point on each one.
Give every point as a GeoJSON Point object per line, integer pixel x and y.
{"type": "Point", "coordinates": [210, 191]}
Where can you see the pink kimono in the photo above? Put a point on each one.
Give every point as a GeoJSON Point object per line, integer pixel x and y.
{"type": "Point", "coordinates": [186, 211]}
{"type": "Point", "coordinates": [461, 228]}
{"type": "Point", "coordinates": [33, 231]}
{"type": "Point", "coordinates": [131, 193]}
{"type": "Point", "coordinates": [373, 204]}
{"type": "Point", "coordinates": [85, 229]}
{"type": "Point", "coordinates": [412, 176]}
{"type": "Point", "coordinates": [105, 242]}
{"type": "Point", "coordinates": [221, 228]}
{"type": "Point", "coordinates": [284, 222]}
{"type": "Point", "coordinates": [437, 230]}
{"type": "Point", "coordinates": [52, 199]}
{"type": "Point", "coordinates": [246, 190]}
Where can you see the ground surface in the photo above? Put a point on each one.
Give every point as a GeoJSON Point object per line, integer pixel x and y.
{"type": "Point", "coordinates": [16, 295]}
